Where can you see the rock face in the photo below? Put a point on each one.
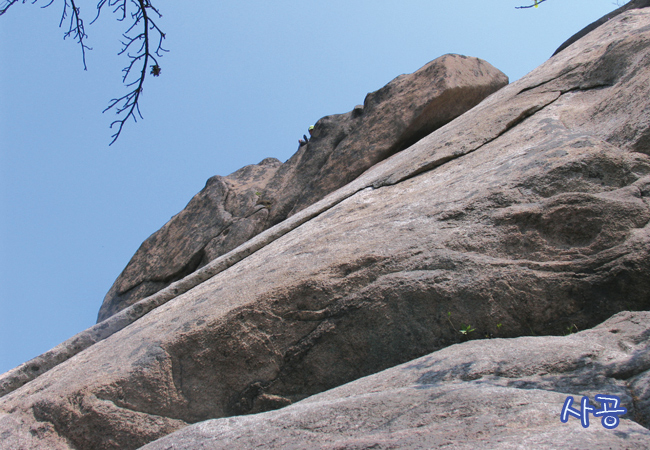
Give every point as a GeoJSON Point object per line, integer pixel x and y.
{"type": "Point", "coordinates": [489, 394]}
{"type": "Point", "coordinates": [230, 210]}
{"type": "Point", "coordinates": [633, 4]}
{"type": "Point", "coordinates": [224, 214]}
{"type": "Point", "coordinates": [527, 215]}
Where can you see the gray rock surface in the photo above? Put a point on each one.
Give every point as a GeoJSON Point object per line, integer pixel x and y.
{"type": "Point", "coordinates": [224, 214]}
{"type": "Point", "coordinates": [230, 210]}
{"type": "Point", "coordinates": [530, 211]}
{"type": "Point", "coordinates": [633, 4]}
{"type": "Point", "coordinates": [487, 394]}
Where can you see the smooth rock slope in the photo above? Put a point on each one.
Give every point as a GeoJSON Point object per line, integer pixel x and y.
{"type": "Point", "coordinates": [527, 215]}
{"type": "Point", "coordinates": [488, 394]}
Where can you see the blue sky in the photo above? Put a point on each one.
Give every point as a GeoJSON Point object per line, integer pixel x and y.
{"type": "Point", "coordinates": [242, 81]}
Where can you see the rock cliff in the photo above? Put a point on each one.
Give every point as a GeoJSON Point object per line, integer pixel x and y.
{"type": "Point", "coordinates": [527, 215]}
{"type": "Point", "coordinates": [231, 210]}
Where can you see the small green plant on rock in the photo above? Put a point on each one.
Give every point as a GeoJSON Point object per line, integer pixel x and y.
{"type": "Point", "coordinates": [465, 330]}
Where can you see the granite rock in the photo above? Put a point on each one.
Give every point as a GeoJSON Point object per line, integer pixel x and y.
{"type": "Point", "coordinates": [487, 394]}
{"type": "Point", "coordinates": [633, 4]}
{"type": "Point", "coordinates": [527, 215]}
{"type": "Point", "coordinates": [230, 210]}
{"type": "Point", "coordinates": [224, 214]}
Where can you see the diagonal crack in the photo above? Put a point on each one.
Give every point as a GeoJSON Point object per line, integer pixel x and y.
{"type": "Point", "coordinates": [30, 370]}
{"type": "Point", "coordinates": [562, 73]}
{"type": "Point", "coordinates": [523, 115]}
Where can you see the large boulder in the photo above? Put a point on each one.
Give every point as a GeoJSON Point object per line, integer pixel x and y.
{"type": "Point", "coordinates": [527, 215]}
{"type": "Point", "coordinates": [488, 394]}
{"type": "Point", "coordinates": [232, 209]}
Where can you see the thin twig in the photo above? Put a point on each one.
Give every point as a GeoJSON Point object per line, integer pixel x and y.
{"type": "Point", "coordinates": [129, 103]}
{"type": "Point", "coordinates": [537, 2]}
{"type": "Point", "coordinates": [8, 3]}
{"type": "Point", "coordinates": [76, 29]}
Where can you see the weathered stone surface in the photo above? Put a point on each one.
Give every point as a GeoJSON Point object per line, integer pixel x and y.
{"type": "Point", "coordinates": [633, 4]}
{"type": "Point", "coordinates": [488, 394]}
{"type": "Point", "coordinates": [531, 211]}
{"type": "Point", "coordinates": [230, 210]}
{"type": "Point", "coordinates": [391, 119]}
{"type": "Point", "coordinates": [224, 214]}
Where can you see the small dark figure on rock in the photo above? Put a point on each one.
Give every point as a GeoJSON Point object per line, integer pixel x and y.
{"type": "Point", "coordinates": [305, 139]}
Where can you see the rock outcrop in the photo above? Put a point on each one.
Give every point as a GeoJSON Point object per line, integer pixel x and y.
{"type": "Point", "coordinates": [488, 394]}
{"type": "Point", "coordinates": [226, 213]}
{"type": "Point", "coordinates": [231, 210]}
{"type": "Point", "coordinates": [633, 4]}
{"type": "Point", "coordinates": [527, 215]}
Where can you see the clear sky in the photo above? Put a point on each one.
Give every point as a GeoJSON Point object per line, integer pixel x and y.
{"type": "Point", "coordinates": [242, 81]}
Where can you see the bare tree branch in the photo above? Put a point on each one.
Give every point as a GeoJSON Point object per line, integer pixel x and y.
{"type": "Point", "coordinates": [76, 28]}
{"type": "Point", "coordinates": [140, 12]}
{"type": "Point", "coordinates": [7, 4]}
{"type": "Point", "coordinates": [129, 103]}
{"type": "Point", "coordinates": [534, 5]}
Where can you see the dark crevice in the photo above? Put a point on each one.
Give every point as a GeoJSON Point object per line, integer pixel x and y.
{"type": "Point", "coordinates": [525, 114]}
{"type": "Point", "coordinates": [560, 75]}
{"type": "Point", "coordinates": [264, 203]}
{"type": "Point", "coordinates": [638, 415]}
{"type": "Point", "coordinates": [595, 85]}
{"type": "Point", "coordinates": [425, 168]}
{"type": "Point", "coordinates": [439, 162]}
{"type": "Point", "coordinates": [191, 266]}
{"type": "Point", "coordinates": [587, 88]}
